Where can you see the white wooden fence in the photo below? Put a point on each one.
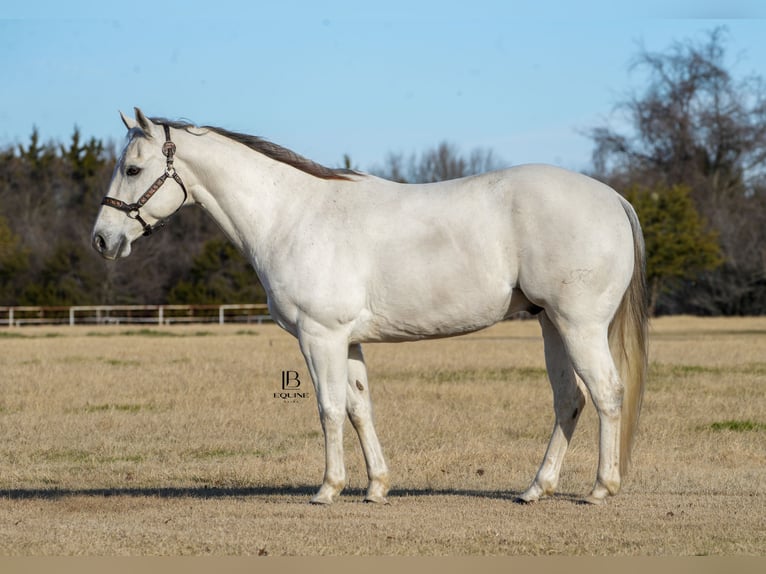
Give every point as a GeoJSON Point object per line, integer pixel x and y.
{"type": "Point", "coordinates": [130, 314]}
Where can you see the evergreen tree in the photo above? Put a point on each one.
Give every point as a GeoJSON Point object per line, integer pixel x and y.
{"type": "Point", "coordinates": [219, 274]}
{"type": "Point", "coordinates": [678, 246]}
{"type": "Point", "coordinates": [13, 261]}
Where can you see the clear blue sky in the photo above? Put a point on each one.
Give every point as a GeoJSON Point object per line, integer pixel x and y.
{"type": "Point", "coordinates": [327, 78]}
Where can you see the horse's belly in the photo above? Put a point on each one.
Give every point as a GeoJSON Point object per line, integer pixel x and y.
{"type": "Point", "coordinates": [441, 282]}
{"type": "Point", "coordinates": [443, 310]}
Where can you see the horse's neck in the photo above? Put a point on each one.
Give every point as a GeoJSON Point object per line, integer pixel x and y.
{"type": "Point", "coordinates": [247, 194]}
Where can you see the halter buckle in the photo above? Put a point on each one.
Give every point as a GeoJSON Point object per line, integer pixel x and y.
{"type": "Point", "coordinates": [169, 149]}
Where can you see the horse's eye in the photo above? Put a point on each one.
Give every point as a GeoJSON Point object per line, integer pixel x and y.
{"type": "Point", "coordinates": [132, 170]}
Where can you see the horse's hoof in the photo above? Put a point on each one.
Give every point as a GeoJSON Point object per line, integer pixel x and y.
{"type": "Point", "coordinates": [327, 493]}
{"type": "Point", "coordinates": [325, 496]}
{"type": "Point", "coordinates": [594, 500]}
{"type": "Point", "coordinates": [601, 492]}
{"type": "Point", "coordinates": [533, 494]}
{"type": "Point", "coordinates": [373, 499]}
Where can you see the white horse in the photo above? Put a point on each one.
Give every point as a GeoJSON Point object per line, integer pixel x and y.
{"type": "Point", "coordinates": [348, 258]}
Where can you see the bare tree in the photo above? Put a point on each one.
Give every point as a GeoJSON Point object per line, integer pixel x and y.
{"type": "Point", "coordinates": [440, 163]}
{"type": "Point", "coordinates": [694, 124]}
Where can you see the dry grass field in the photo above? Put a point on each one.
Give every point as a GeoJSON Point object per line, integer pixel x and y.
{"type": "Point", "coordinates": [171, 441]}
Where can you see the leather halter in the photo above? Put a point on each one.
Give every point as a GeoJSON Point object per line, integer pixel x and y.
{"type": "Point", "coordinates": [133, 209]}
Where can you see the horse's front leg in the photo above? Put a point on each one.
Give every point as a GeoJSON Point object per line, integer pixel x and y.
{"type": "Point", "coordinates": [326, 356]}
{"type": "Point", "coordinates": [359, 407]}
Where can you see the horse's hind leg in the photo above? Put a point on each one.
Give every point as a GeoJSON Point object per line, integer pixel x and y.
{"type": "Point", "coordinates": [359, 409]}
{"type": "Point", "coordinates": [568, 402]}
{"type": "Point", "coordinates": [588, 348]}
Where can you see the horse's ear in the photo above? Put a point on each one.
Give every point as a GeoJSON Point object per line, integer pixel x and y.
{"type": "Point", "coordinates": [130, 123]}
{"type": "Point", "coordinates": [143, 122]}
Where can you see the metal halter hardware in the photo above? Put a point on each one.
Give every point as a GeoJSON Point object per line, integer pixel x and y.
{"type": "Point", "coordinates": [132, 209]}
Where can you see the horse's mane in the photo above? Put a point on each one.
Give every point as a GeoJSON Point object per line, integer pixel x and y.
{"type": "Point", "coordinates": [267, 148]}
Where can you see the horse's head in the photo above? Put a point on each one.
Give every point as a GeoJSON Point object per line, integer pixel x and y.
{"type": "Point", "coordinates": [144, 166]}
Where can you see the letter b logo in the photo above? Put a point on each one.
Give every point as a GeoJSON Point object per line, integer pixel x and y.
{"type": "Point", "coordinates": [290, 380]}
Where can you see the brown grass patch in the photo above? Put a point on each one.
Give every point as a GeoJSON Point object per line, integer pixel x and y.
{"type": "Point", "coordinates": [170, 441]}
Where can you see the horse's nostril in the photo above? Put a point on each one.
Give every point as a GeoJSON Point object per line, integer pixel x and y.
{"type": "Point", "coordinates": [100, 243]}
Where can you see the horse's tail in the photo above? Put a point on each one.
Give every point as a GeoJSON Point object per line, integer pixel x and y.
{"type": "Point", "coordinates": [628, 340]}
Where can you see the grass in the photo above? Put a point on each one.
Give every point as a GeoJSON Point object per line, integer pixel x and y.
{"type": "Point", "coordinates": [82, 457]}
{"type": "Point", "coordinates": [126, 441]}
{"type": "Point", "coordinates": [221, 453]}
{"type": "Point", "coordinates": [164, 332]}
{"type": "Point", "coordinates": [147, 333]}
{"type": "Point", "coordinates": [5, 334]}
{"type": "Point", "coordinates": [738, 426]}
{"type": "Point", "coordinates": [475, 375]}
{"type": "Point", "coordinates": [676, 371]}
{"type": "Point", "coordinates": [128, 408]}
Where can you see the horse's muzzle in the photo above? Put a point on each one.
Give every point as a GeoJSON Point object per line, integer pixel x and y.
{"type": "Point", "coordinates": [108, 248]}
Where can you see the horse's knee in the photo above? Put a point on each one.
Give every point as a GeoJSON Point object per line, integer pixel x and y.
{"type": "Point", "coordinates": [358, 414]}
{"type": "Point", "coordinates": [331, 417]}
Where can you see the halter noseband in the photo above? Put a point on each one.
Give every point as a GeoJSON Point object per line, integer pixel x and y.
{"type": "Point", "coordinates": [132, 209]}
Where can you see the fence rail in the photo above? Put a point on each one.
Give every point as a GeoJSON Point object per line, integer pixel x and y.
{"type": "Point", "coordinates": [134, 314]}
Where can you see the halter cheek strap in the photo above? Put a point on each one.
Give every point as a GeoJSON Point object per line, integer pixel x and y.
{"type": "Point", "coordinates": [133, 209]}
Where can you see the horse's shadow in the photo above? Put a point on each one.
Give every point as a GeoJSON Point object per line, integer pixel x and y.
{"type": "Point", "coordinates": [223, 492]}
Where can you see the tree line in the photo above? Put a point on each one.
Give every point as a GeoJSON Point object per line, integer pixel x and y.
{"type": "Point", "coordinates": [691, 162]}
{"type": "Point", "coordinates": [49, 196]}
